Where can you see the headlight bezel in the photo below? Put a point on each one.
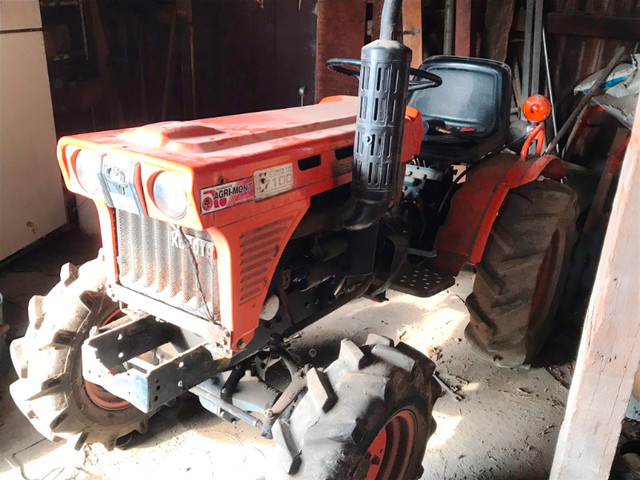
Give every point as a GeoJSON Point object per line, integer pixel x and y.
{"type": "Point", "coordinates": [147, 171]}
{"type": "Point", "coordinates": [174, 184]}
{"type": "Point", "coordinates": [92, 176]}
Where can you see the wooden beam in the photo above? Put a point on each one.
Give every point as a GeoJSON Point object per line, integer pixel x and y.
{"type": "Point", "coordinates": [596, 211]}
{"type": "Point", "coordinates": [620, 28]}
{"type": "Point", "coordinates": [412, 29]}
{"type": "Point", "coordinates": [341, 31]}
{"type": "Point", "coordinates": [498, 20]}
{"type": "Point", "coordinates": [610, 346]}
{"type": "Point", "coordinates": [463, 28]}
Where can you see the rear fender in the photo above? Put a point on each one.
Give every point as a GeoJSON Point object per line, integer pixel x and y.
{"type": "Point", "coordinates": [474, 207]}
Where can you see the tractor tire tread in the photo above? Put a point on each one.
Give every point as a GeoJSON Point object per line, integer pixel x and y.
{"type": "Point", "coordinates": [324, 445]}
{"type": "Point", "coordinates": [501, 302]}
{"type": "Point", "coordinates": [49, 390]}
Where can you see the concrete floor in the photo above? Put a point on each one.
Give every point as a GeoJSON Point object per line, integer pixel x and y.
{"type": "Point", "coordinates": [504, 428]}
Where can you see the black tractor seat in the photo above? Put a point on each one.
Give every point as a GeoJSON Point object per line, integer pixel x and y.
{"type": "Point", "coordinates": [468, 115]}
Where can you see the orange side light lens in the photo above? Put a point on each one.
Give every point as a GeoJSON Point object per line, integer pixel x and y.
{"type": "Point", "coordinates": [537, 108]}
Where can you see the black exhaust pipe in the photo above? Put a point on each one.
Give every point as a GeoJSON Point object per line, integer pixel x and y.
{"type": "Point", "coordinates": [382, 100]}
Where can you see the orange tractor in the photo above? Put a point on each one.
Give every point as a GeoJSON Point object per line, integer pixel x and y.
{"type": "Point", "coordinates": [224, 237]}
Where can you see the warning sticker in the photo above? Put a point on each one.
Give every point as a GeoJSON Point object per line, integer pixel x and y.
{"type": "Point", "coordinates": [273, 181]}
{"type": "Point", "coordinates": [226, 195]}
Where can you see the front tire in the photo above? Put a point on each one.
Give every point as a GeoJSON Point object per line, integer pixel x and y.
{"type": "Point", "coordinates": [50, 390]}
{"type": "Point", "coordinates": [521, 277]}
{"type": "Point", "coordinates": [368, 416]}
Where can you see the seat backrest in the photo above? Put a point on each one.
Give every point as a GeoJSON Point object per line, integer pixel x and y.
{"type": "Point", "coordinates": [475, 93]}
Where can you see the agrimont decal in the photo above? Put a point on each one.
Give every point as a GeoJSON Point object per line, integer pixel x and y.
{"type": "Point", "coordinates": [226, 195]}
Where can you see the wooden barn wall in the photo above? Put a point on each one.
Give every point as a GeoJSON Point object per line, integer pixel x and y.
{"type": "Point", "coordinates": [252, 55]}
{"type": "Point", "coordinates": [344, 27]}
{"type": "Point", "coordinates": [573, 57]}
{"type": "Point", "coordinates": [255, 54]}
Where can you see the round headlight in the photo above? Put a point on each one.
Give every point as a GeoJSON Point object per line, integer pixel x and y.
{"type": "Point", "coordinates": [88, 166]}
{"type": "Point", "coordinates": [169, 195]}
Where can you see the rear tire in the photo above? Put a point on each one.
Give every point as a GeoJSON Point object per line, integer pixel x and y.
{"type": "Point", "coordinates": [367, 416]}
{"type": "Point", "coordinates": [50, 390]}
{"type": "Point", "coordinates": [521, 277]}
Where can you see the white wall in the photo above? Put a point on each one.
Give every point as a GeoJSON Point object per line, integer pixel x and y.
{"type": "Point", "coordinates": [31, 203]}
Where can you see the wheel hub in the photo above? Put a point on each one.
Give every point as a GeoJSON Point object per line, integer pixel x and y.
{"type": "Point", "coordinates": [391, 449]}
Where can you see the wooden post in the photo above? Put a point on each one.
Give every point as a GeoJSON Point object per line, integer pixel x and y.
{"type": "Point", "coordinates": [341, 33]}
{"type": "Point", "coordinates": [412, 29]}
{"type": "Point", "coordinates": [610, 347]}
{"type": "Point", "coordinates": [463, 27]}
{"type": "Point", "coordinates": [498, 20]}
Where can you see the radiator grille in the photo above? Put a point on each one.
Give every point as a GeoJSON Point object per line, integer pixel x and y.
{"type": "Point", "coordinates": [154, 259]}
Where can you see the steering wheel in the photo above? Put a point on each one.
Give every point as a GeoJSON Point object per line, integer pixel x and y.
{"type": "Point", "coordinates": [351, 67]}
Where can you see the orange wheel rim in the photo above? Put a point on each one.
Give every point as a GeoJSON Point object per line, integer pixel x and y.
{"type": "Point", "coordinates": [391, 450]}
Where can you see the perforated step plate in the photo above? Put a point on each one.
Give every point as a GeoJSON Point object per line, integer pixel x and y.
{"type": "Point", "coordinates": [421, 281]}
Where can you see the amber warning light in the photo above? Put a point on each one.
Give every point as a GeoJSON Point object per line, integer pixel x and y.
{"type": "Point", "coordinates": [537, 108]}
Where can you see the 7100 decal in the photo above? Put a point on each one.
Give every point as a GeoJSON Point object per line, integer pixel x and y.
{"type": "Point", "coordinates": [268, 183]}
{"type": "Point", "coordinates": [273, 181]}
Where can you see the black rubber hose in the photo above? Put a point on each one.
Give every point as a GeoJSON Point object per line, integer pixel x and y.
{"type": "Point", "coordinates": [450, 190]}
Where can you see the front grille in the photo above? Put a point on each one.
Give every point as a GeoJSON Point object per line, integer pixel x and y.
{"type": "Point", "coordinates": [154, 259]}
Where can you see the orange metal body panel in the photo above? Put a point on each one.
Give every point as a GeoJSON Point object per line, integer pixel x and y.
{"type": "Point", "coordinates": [249, 237]}
{"type": "Point", "coordinates": [248, 252]}
{"type": "Point", "coordinates": [475, 206]}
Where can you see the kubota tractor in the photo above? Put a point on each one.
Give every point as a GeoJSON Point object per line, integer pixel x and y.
{"type": "Point", "coordinates": [224, 237]}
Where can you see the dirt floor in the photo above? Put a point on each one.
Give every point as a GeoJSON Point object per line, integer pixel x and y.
{"type": "Point", "coordinates": [504, 426]}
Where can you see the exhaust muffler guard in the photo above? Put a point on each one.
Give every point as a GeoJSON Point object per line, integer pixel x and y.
{"type": "Point", "coordinates": [382, 101]}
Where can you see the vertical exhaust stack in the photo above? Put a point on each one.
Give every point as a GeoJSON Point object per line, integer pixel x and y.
{"type": "Point", "coordinates": [382, 100]}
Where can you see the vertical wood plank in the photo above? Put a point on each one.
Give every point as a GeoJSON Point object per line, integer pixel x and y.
{"type": "Point", "coordinates": [341, 31]}
{"type": "Point", "coordinates": [594, 218]}
{"type": "Point", "coordinates": [412, 23]}
{"type": "Point", "coordinates": [295, 51]}
{"type": "Point", "coordinates": [610, 345]}
{"type": "Point", "coordinates": [376, 17]}
{"type": "Point", "coordinates": [463, 28]}
{"type": "Point", "coordinates": [498, 20]}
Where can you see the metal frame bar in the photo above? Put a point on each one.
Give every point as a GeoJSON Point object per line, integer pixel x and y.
{"type": "Point", "coordinates": [536, 47]}
{"type": "Point", "coordinates": [105, 362]}
{"type": "Point", "coordinates": [198, 325]}
{"type": "Point", "coordinates": [526, 55]}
